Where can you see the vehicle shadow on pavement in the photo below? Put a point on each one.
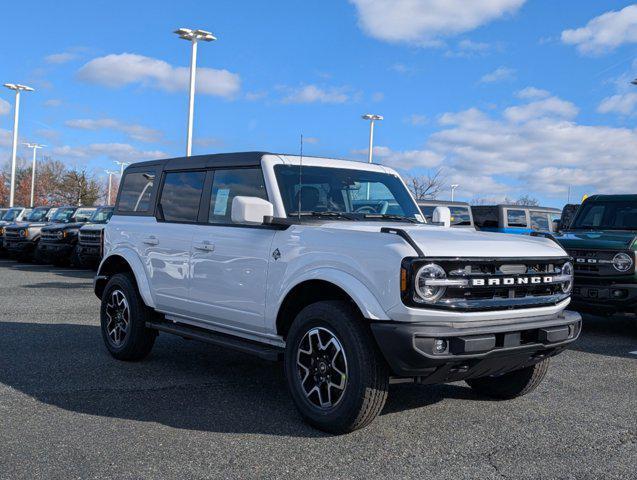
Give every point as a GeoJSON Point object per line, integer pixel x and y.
{"type": "Point", "coordinates": [182, 384]}
{"type": "Point", "coordinates": [614, 336]}
{"type": "Point", "coordinates": [61, 271]}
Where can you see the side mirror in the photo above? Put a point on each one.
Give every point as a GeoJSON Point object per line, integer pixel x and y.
{"type": "Point", "coordinates": [442, 215]}
{"type": "Point", "coordinates": [250, 210]}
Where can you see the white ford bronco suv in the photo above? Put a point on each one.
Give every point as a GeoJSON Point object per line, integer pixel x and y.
{"type": "Point", "coordinates": [328, 265]}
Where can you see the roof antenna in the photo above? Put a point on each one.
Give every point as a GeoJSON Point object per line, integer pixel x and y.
{"type": "Point", "coordinates": [300, 180]}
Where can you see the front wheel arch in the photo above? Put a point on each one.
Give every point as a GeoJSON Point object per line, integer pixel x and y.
{"type": "Point", "coordinates": [123, 263]}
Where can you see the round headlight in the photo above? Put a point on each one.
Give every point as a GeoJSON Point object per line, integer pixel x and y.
{"type": "Point", "coordinates": [429, 293]}
{"type": "Point", "coordinates": [622, 262]}
{"type": "Point", "coordinates": [61, 235]}
{"type": "Point", "coordinates": [567, 269]}
{"type": "Point", "coordinates": [23, 233]}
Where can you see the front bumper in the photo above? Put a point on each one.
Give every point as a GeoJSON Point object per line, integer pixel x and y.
{"type": "Point", "coordinates": [89, 253]}
{"type": "Point", "coordinates": [19, 246]}
{"type": "Point", "coordinates": [47, 250]}
{"type": "Point", "coordinates": [473, 352]}
{"type": "Point", "coordinates": [616, 297]}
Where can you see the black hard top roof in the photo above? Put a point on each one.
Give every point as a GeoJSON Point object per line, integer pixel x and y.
{"type": "Point", "coordinates": [237, 159]}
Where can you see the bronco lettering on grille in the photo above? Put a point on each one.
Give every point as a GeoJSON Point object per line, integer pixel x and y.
{"type": "Point", "coordinates": [511, 281]}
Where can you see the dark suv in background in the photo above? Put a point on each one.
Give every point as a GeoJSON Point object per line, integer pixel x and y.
{"type": "Point", "coordinates": [21, 238]}
{"type": "Point", "coordinates": [90, 244]}
{"type": "Point", "coordinates": [602, 239]}
{"type": "Point", "coordinates": [58, 240]}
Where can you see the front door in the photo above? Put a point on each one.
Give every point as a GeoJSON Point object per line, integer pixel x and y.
{"type": "Point", "coordinates": [229, 262]}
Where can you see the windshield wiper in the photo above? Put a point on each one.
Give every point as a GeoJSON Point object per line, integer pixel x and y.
{"type": "Point", "coordinates": [326, 214]}
{"type": "Point", "coordinates": [390, 216]}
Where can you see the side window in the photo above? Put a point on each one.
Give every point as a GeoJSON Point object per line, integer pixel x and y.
{"type": "Point", "coordinates": [539, 221]}
{"type": "Point", "coordinates": [516, 218]}
{"type": "Point", "coordinates": [427, 211]}
{"type": "Point", "coordinates": [231, 183]}
{"type": "Point", "coordinates": [136, 191]}
{"type": "Point", "coordinates": [181, 195]}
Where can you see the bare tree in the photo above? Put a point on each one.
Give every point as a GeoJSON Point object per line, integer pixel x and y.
{"type": "Point", "coordinates": [527, 200]}
{"type": "Point", "coordinates": [426, 186]}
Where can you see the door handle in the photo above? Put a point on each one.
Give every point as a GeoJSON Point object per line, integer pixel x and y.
{"type": "Point", "coordinates": [151, 240]}
{"type": "Point", "coordinates": [205, 246]}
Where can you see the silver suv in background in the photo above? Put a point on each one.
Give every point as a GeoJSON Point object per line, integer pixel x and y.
{"type": "Point", "coordinates": [21, 238]}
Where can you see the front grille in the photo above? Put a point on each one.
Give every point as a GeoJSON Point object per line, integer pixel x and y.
{"type": "Point", "coordinates": [49, 237]}
{"type": "Point", "coordinates": [91, 237]}
{"type": "Point", "coordinates": [505, 283]}
{"type": "Point", "coordinates": [11, 234]}
{"type": "Point", "coordinates": [597, 262]}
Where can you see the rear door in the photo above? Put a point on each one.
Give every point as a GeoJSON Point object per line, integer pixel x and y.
{"type": "Point", "coordinates": [229, 262]}
{"type": "Point", "coordinates": [167, 243]}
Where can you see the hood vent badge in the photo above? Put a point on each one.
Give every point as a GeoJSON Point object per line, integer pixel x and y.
{"type": "Point", "coordinates": [513, 269]}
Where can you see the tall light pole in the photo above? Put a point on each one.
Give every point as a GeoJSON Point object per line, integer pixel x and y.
{"type": "Point", "coordinates": [110, 185]}
{"type": "Point", "coordinates": [16, 114]}
{"type": "Point", "coordinates": [453, 190]}
{"type": "Point", "coordinates": [35, 147]}
{"type": "Point", "coordinates": [372, 119]}
{"type": "Point", "coordinates": [193, 36]}
{"type": "Point", "coordinates": [122, 166]}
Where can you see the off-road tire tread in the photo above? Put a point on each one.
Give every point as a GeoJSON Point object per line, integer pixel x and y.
{"type": "Point", "coordinates": [141, 339]}
{"type": "Point", "coordinates": [376, 372]}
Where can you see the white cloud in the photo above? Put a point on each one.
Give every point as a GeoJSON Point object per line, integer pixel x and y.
{"type": "Point", "coordinates": [117, 70]}
{"type": "Point", "coordinates": [426, 22]}
{"type": "Point", "coordinates": [404, 160]}
{"type": "Point", "coordinates": [136, 132]}
{"type": "Point", "coordinates": [468, 48]}
{"type": "Point", "coordinates": [535, 148]}
{"type": "Point", "coordinates": [402, 68]}
{"type": "Point", "coordinates": [604, 33]}
{"type": "Point", "coordinates": [316, 94]}
{"type": "Point", "coordinates": [254, 96]}
{"type": "Point", "coordinates": [416, 119]}
{"type": "Point", "coordinates": [311, 140]}
{"type": "Point", "coordinates": [498, 75]}
{"type": "Point", "coordinates": [532, 93]}
{"type": "Point", "coordinates": [5, 107]}
{"type": "Point", "coordinates": [113, 151]}
{"type": "Point", "coordinates": [549, 107]}
{"type": "Point", "coordinates": [6, 138]}
{"type": "Point", "coordinates": [53, 102]}
{"type": "Point", "coordinates": [621, 103]}
{"type": "Point", "coordinates": [57, 58]}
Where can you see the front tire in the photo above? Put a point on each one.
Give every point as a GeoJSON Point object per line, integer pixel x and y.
{"type": "Point", "coordinates": [123, 320]}
{"type": "Point", "coordinates": [513, 384]}
{"type": "Point", "coordinates": [336, 375]}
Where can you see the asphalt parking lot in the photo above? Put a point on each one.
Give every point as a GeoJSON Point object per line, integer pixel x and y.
{"type": "Point", "coordinates": [68, 410]}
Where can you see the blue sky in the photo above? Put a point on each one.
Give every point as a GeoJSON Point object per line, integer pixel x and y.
{"type": "Point", "coordinates": [507, 97]}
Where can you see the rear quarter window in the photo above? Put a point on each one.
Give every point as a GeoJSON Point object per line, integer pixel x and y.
{"type": "Point", "coordinates": [137, 192]}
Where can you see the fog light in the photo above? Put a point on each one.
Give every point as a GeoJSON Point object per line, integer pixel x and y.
{"type": "Point", "coordinates": [619, 293]}
{"type": "Point", "coordinates": [571, 330]}
{"type": "Point", "coordinates": [440, 345]}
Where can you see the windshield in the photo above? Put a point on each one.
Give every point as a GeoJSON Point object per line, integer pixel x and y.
{"type": "Point", "coordinates": [102, 215]}
{"type": "Point", "coordinates": [358, 194]}
{"type": "Point", "coordinates": [37, 215]}
{"type": "Point", "coordinates": [607, 216]}
{"type": "Point", "coordinates": [83, 214]}
{"type": "Point", "coordinates": [63, 215]}
{"type": "Point", "coordinates": [12, 214]}
{"type": "Point", "coordinates": [460, 216]}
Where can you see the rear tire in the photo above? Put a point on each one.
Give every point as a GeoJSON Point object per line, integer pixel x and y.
{"type": "Point", "coordinates": [123, 320]}
{"type": "Point", "coordinates": [513, 384]}
{"type": "Point", "coordinates": [336, 375]}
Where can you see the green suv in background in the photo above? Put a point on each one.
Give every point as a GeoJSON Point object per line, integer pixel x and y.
{"type": "Point", "coordinates": [602, 240]}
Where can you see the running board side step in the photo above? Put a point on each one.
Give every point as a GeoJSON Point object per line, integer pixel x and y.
{"type": "Point", "coordinates": [266, 352]}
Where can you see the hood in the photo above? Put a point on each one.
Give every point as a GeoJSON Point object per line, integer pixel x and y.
{"type": "Point", "coordinates": [96, 227]}
{"type": "Point", "coordinates": [597, 239]}
{"type": "Point", "coordinates": [29, 224]}
{"type": "Point", "coordinates": [437, 241]}
{"type": "Point", "coordinates": [63, 226]}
